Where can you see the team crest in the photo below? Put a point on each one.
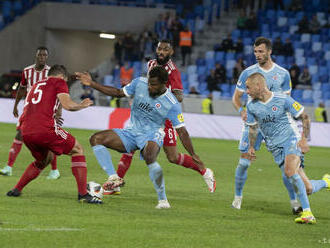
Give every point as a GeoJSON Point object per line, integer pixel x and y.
{"type": "Point", "coordinates": [274, 108]}
{"type": "Point", "coordinates": [275, 77]}
{"type": "Point", "coordinates": [158, 106]}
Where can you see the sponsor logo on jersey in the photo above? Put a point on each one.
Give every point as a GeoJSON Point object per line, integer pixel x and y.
{"type": "Point", "coordinates": [158, 106]}
{"type": "Point", "coordinates": [145, 106]}
{"type": "Point", "coordinates": [297, 106]}
{"type": "Point", "coordinates": [180, 118]}
{"type": "Point", "coordinates": [268, 119]}
{"type": "Point", "coordinates": [274, 108]}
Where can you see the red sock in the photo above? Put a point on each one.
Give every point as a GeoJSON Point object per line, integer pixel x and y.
{"type": "Point", "coordinates": [54, 163]}
{"type": "Point", "coordinates": [186, 161]}
{"type": "Point", "coordinates": [79, 170]}
{"type": "Point", "coordinates": [124, 164]}
{"type": "Point", "coordinates": [29, 174]}
{"type": "Point", "coordinates": [14, 151]}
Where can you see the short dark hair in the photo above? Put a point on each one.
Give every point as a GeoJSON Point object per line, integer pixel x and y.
{"type": "Point", "coordinates": [263, 40]}
{"type": "Point", "coordinates": [160, 73]}
{"type": "Point", "coordinates": [168, 41]}
{"type": "Point", "coordinates": [56, 70]}
{"type": "Point", "coordinates": [42, 48]}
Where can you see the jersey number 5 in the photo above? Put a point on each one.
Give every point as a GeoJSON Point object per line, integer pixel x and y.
{"type": "Point", "coordinates": [37, 93]}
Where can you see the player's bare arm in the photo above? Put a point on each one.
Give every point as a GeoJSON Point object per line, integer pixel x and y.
{"type": "Point", "coordinates": [58, 116]}
{"type": "Point", "coordinates": [178, 94]}
{"type": "Point", "coordinates": [70, 105]}
{"type": "Point", "coordinates": [87, 80]}
{"type": "Point", "coordinates": [306, 132]}
{"type": "Point", "coordinates": [186, 141]}
{"type": "Point", "coordinates": [236, 100]}
{"type": "Point", "coordinates": [20, 94]}
{"type": "Point", "coordinates": [253, 132]}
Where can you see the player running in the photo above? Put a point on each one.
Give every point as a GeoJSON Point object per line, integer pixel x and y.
{"type": "Point", "coordinates": [44, 138]}
{"type": "Point", "coordinates": [153, 103]}
{"type": "Point", "coordinates": [273, 113]}
{"type": "Point", "coordinates": [164, 52]}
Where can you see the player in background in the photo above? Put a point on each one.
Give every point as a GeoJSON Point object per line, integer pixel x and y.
{"type": "Point", "coordinates": [30, 76]}
{"type": "Point", "coordinates": [164, 52]}
{"type": "Point", "coordinates": [273, 113]}
{"type": "Point", "coordinates": [278, 80]}
{"type": "Point", "coordinates": [44, 138]}
{"type": "Point", "coordinates": [152, 105]}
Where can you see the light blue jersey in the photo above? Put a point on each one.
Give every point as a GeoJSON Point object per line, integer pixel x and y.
{"type": "Point", "coordinates": [274, 118]}
{"type": "Point", "coordinates": [149, 114]}
{"type": "Point", "coordinates": [277, 78]}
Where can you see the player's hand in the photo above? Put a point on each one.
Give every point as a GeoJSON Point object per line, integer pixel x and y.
{"type": "Point", "coordinates": [252, 154]}
{"type": "Point", "coordinates": [244, 115]}
{"type": "Point", "coordinates": [303, 145]}
{"type": "Point", "coordinates": [84, 77]}
{"type": "Point", "coordinates": [86, 103]}
{"type": "Point", "coordinates": [15, 112]}
{"type": "Point", "coordinates": [198, 161]}
{"type": "Point", "coordinates": [59, 120]}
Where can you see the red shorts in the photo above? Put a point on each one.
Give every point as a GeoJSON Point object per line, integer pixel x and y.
{"type": "Point", "coordinates": [170, 134]}
{"type": "Point", "coordinates": [60, 142]}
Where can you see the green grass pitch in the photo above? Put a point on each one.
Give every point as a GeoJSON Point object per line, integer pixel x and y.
{"type": "Point", "coordinates": [48, 214]}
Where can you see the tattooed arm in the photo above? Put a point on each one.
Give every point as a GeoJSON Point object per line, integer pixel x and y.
{"type": "Point", "coordinates": [306, 132]}
{"type": "Point", "coordinates": [253, 132]}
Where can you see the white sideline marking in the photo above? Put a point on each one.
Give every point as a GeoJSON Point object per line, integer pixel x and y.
{"type": "Point", "coordinates": [61, 229]}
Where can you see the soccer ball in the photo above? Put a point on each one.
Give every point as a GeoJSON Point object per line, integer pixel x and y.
{"type": "Point", "coordinates": [95, 189]}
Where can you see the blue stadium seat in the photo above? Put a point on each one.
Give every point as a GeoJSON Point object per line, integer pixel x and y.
{"type": "Point", "coordinates": [201, 70]}
{"type": "Point", "coordinates": [316, 38]}
{"type": "Point", "coordinates": [311, 61]}
{"type": "Point", "coordinates": [232, 88]}
{"type": "Point", "coordinates": [200, 61]}
{"type": "Point", "coordinates": [225, 88]}
{"type": "Point", "coordinates": [235, 34]}
{"type": "Point", "coordinates": [108, 80]}
{"type": "Point", "coordinates": [192, 69]}
{"type": "Point", "coordinates": [316, 86]}
{"type": "Point", "coordinates": [210, 64]}
{"type": "Point", "coordinates": [325, 87]}
{"type": "Point", "coordinates": [296, 93]}
{"type": "Point", "coordinates": [316, 46]}
{"type": "Point", "coordinates": [209, 55]}
{"type": "Point", "coordinates": [247, 41]}
{"type": "Point", "coordinates": [184, 76]}
{"type": "Point", "coordinates": [219, 57]}
{"type": "Point", "coordinates": [305, 38]}
{"type": "Point", "coordinates": [280, 60]}
{"type": "Point", "coordinates": [230, 56]}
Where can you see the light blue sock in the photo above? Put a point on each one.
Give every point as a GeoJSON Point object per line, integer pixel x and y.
{"type": "Point", "coordinates": [156, 176]}
{"type": "Point", "coordinates": [300, 189]}
{"type": "Point", "coordinates": [241, 175]}
{"type": "Point", "coordinates": [318, 185]}
{"type": "Point", "coordinates": [288, 185]}
{"type": "Point", "coordinates": [104, 158]}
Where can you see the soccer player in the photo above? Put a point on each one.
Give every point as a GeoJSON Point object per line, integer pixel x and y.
{"type": "Point", "coordinates": [30, 76]}
{"type": "Point", "coordinates": [278, 80]}
{"type": "Point", "coordinates": [164, 52]}
{"type": "Point", "coordinates": [43, 137]}
{"type": "Point", "coordinates": [153, 103]}
{"type": "Point", "coordinates": [273, 113]}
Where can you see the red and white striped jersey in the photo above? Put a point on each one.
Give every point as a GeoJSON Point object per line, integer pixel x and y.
{"type": "Point", "coordinates": [174, 77]}
{"type": "Point", "coordinates": [30, 76]}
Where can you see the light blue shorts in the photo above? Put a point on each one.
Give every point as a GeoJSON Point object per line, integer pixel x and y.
{"type": "Point", "coordinates": [244, 142]}
{"type": "Point", "coordinates": [290, 146]}
{"type": "Point", "coordinates": [137, 141]}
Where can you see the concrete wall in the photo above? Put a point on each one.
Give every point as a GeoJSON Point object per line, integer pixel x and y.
{"type": "Point", "coordinates": [79, 50]}
{"type": "Point", "coordinates": [52, 25]}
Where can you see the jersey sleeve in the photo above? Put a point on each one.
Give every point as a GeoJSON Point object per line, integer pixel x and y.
{"type": "Point", "coordinates": [175, 80]}
{"type": "Point", "coordinates": [175, 116]}
{"type": "Point", "coordinates": [61, 87]}
{"type": "Point", "coordinates": [286, 87]}
{"type": "Point", "coordinates": [241, 83]}
{"type": "Point", "coordinates": [129, 90]}
{"type": "Point", "coordinates": [23, 79]}
{"type": "Point", "coordinates": [293, 107]}
{"type": "Point", "coordinates": [251, 121]}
